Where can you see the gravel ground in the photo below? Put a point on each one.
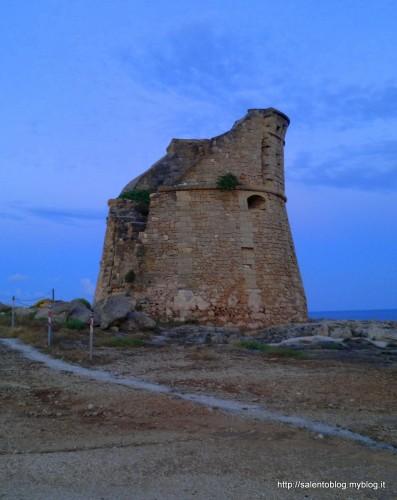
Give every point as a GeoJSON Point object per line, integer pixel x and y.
{"type": "Point", "coordinates": [65, 437]}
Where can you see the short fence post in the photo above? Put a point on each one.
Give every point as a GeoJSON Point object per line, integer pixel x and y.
{"type": "Point", "coordinates": [13, 312]}
{"type": "Point", "coordinates": [91, 341]}
{"type": "Point", "coordinates": [49, 337]}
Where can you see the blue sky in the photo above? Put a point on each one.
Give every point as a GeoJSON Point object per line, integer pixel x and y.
{"type": "Point", "coordinates": [91, 92]}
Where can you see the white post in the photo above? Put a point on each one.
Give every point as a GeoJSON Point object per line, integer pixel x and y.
{"type": "Point", "coordinates": [91, 342]}
{"type": "Point", "coordinates": [49, 336]}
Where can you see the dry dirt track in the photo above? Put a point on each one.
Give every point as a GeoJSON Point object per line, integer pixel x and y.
{"type": "Point", "coordinates": [65, 437]}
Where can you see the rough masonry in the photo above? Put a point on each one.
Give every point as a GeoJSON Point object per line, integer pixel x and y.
{"type": "Point", "coordinates": [199, 253]}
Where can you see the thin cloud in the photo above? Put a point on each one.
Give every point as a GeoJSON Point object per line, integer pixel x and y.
{"type": "Point", "coordinates": [366, 167]}
{"type": "Point", "coordinates": [17, 277]}
{"type": "Point", "coordinates": [20, 212]}
{"type": "Point", "coordinates": [88, 286]}
{"type": "Point", "coordinates": [65, 215]}
{"type": "Point", "coordinates": [210, 69]}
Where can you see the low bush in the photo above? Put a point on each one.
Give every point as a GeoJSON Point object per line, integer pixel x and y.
{"type": "Point", "coordinates": [74, 324]}
{"type": "Point", "coordinates": [141, 197]}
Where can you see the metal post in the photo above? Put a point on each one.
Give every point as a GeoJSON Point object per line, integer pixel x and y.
{"type": "Point", "coordinates": [13, 312]}
{"type": "Point", "coordinates": [91, 335]}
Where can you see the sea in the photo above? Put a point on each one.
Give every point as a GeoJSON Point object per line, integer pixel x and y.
{"type": "Point", "coordinates": [368, 314]}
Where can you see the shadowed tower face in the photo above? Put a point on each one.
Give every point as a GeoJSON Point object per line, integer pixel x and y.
{"type": "Point", "coordinates": [200, 253]}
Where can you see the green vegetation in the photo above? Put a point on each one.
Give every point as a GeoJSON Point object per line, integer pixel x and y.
{"type": "Point", "coordinates": [123, 342]}
{"type": "Point", "coordinates": [5, 318]}
{"type": "Point", "coordinates": [84, 301]}
{"type": "Point", "coordinates": [227, 182]}
{"type": "Point", "coordinates": [141, 197]}
{"type": "Point", "coordinates": [287, 352]}
{"type": "Point", "coordinates": [74, 324]}
{"type": "Point", "coordinates": [130, 276]}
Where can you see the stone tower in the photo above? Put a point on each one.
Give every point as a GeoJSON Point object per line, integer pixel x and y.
{"type": "Point", "coordinates": [196, 252]}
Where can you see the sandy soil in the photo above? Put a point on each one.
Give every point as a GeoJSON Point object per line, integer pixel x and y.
{"type": "Point", "coordinates": [65, 437]}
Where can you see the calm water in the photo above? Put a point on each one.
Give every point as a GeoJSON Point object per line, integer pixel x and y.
{"type": "Point", "coordinates": [379, 314]}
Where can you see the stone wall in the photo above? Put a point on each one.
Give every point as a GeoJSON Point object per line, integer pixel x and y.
{"type": "Point", "coordinates": [122, 248]}
{"type": "Point", "coordinates": [214, 260]}
{"type": "Point", "coordinates": [212, 256]}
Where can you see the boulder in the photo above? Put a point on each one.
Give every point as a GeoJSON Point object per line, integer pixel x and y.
{"type": "Point", "coordinates": [57, 316]}
{"type": "Point", "coordinates": [59, 311]}
{"type": "Point", "coordinates": [113, 310]}
{"type": "Point", "coordinates": [62, 311]}
{"type": "Point", "coordinates": [60, 306]}
{"type": "Point", "coordinates": [79, 311]}
{"type": "Point", "coordinates": [138, 320]}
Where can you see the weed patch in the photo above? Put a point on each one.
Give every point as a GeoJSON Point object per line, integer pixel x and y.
{"type": "Point", "coordinates": [282, 352]}
{"type": "Point", "coordinates": [122, 342]}
{"type": "Point", "coordinates": [227, 182]}
{"type": "Point", "coordinates": [75, 324]}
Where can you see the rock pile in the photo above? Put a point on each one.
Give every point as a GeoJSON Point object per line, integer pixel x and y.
{"type": "Point", "coordinates": [118, 312]}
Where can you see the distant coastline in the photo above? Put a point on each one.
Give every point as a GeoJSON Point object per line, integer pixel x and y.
{"type": "Point", "coordinates": [366, 314]}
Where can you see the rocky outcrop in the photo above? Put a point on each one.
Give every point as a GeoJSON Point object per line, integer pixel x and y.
{"type": "Point", "coordinates": [379, 333]}
{"type": "Point", "coordinates": [116, 311]}
{"type": "Point", "coordinates": [61, 311]}
{"type": "Point", "coordinates": [311, 335]}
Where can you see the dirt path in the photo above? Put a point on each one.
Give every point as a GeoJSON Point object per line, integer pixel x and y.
{"type": "Point", "coordinates": [66, 437]}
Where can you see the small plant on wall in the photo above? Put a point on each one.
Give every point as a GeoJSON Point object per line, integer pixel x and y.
{"type": "Point", "coordinates": [227, 182]}
{"type": "Point", "coordinates": [130, 276]}
{"type": "Point", "coordinates": [141, 197]}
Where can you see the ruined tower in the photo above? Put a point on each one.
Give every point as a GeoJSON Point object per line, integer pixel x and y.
{"type": "Point", "coordinates": [198, 252]}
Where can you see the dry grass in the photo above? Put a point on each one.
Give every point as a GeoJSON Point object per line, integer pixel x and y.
{"type": "Point", "coordinates": [71, 344]}
{"type": "Point", "coordinates": [203, 354]}
{"type": "Point", "coordinates": [35, 332]}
